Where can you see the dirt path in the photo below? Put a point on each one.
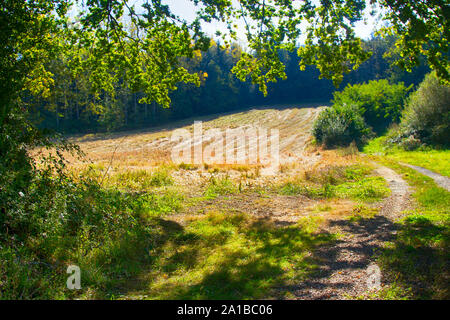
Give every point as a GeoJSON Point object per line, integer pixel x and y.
{"type": "Point", "coordinates": [441, 181]}
{"type": "Point", "coordinates": [343, 266]}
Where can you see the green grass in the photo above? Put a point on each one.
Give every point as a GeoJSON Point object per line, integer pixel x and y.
{"type": "Point", "coordinates": [368, 189]}
{"type": "Point", "coordinates": [351, 182]}
{"type": "Point", "coordinates": [362, 212]}
{"type": "Point", "coordinates": [434, 160]}
{"type": "Point", "coordinates": [187, 166]}
{"type": "Point", "coordinates": [230, 256]}
{"type": "Point", "coordinates": [417, 261]}
{"type": "Point", "coordinates": [139, 180]}
{"type": "Point", "coordinates": [220, 186]}
{"type": "Point", "coordinates": [107, 233]}
{"type": "Point", "coordinates": [157, 205]}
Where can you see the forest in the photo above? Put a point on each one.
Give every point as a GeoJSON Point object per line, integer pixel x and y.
{"type": "Point", "coordinates": [72, 108]}
{"type": "Point", "coordinates": [336, 180]}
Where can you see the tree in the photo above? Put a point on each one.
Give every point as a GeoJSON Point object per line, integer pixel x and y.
{"type": "Point", "coordinates": [426, 118]}
{"type": "Point", "coordinates": [379, 102]}
{"type": "Point", "coordinates": [147, 53]}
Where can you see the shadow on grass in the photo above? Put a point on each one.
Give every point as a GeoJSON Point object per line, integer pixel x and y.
{"type": "Point", "coordinates": [237, 257]}
{"type": "Point", "coordinates": [414, 263]}
{"type": "Point", "coordinates": [230, 257]}
{"type": "Point", "coordinates": [419, 259]}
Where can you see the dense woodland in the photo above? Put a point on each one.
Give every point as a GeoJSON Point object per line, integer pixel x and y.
{"type": "Point", "coordinates": [72, 106]}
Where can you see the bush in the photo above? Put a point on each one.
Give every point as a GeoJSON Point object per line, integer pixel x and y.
{"type": "Point", "coordinates": [340, 125]}
{"type": "Point", "coordinates": [56, 219]}
{"type": "Point", "coordinates": [379, 102]}
{"type": "Point", "coordinates": [427, 115]}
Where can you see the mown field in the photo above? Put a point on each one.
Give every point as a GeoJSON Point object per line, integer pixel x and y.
{"type": "Point", "coordinates": [228, 232]}
{"type": "Point", "coordinates": [162, 230]}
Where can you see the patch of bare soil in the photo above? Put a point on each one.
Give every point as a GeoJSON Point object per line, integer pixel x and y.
{"type": "Point", "coordinates": [343, 266]}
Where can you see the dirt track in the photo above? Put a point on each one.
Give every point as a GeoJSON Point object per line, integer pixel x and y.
{"type": "Point", "coordinates": [441, 181]}
{"type": "Point", "coordinates": [343, 266]}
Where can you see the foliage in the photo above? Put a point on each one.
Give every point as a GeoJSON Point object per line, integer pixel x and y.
{"type": "Point", "coordinates": [147, 54]}
{"type": "Point", "coordinates": [340, 125]}
{"type": "Point", "coordinates": [56, 221]}
{"type": "Point", "coordinates": [379, 102]}
{"type": "Point", "coordinates": [423, 28]}
{"type": "Point", "coordinates": [426, 118]}
{"type": "Point", "coordinates": [73, 107]}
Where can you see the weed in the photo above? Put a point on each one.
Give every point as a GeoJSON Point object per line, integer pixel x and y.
{"type": "Point", "coordinates": [161, 178]}
{"type": "Point", "coordinates": [362, 212]}
{"type": "Point", "coordinates": [188, 166]}
{"type": "Point", "coordinates": [350, 182]}
{"type": "Point", "coordinates": [220, 186]}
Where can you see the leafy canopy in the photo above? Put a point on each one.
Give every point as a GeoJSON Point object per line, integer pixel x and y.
{"type": "Point", "coordinates": [142, 45]}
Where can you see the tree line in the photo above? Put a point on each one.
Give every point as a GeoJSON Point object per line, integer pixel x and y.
{"type": "Point", "coordinates": [73, 107]}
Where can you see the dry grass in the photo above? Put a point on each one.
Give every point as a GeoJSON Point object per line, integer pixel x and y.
{"type": "Point", "coordinates": [141, 149]}
{"type": "Point", "coordinates": [129, 160]}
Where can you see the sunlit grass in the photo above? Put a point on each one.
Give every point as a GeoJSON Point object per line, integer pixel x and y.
{"type": "Point", "coordinates": [350, 182]}
{"type": "Point", "coordinates": [361, 212]}
{"type": "Point", "coordinates": [434, 160]}
{"type": "Point", "coordinates": [220, 186]}
{"type": "Point", "coordinates": [232, 256]}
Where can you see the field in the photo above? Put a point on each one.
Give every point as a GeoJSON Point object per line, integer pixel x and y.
{"type": "Point", "coordinates": [229, 231]}
{"type": "Point", "coordinates": [243, 150]}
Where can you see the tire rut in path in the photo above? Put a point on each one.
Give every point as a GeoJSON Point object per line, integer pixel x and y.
{"type": "Point", "coordinates": [343, 265]}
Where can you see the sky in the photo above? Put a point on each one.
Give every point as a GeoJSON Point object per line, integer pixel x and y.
{"type": "Point", "coordinates": [186, 9]}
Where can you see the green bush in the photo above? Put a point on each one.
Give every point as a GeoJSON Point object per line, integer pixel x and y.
{"type": "Point", "coordinates": [340, 125]}
{"type": "Point", "coordinates": [427, 116]}
{"type": "Point", "coordinates": [379, 102]}
{"type": "Point", "coordinates": [56, 219]}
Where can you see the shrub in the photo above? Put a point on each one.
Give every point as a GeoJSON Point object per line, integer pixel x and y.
{"type": "Point", "coordinates": [340, 125]}
{"type": "Point", "coordinates": [57, 219]}
{"type": "Point", "coordinates": [379, 102]}
{"type": "Point", "coordinates": [427, 115]}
